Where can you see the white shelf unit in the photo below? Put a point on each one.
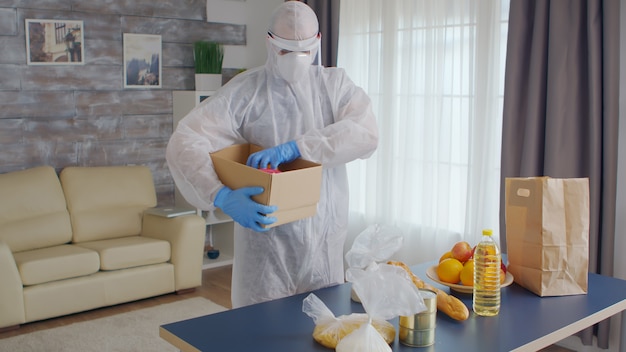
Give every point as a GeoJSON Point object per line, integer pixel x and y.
{"type": "Point", "coordinates": [219, 224]}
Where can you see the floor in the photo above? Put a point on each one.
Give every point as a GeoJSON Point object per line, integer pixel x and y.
{"type": "Point", "coordinates": [215, 287]}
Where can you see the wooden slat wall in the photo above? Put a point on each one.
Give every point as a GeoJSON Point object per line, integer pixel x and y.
{"type": "Point", "coordinates": [82, 115]}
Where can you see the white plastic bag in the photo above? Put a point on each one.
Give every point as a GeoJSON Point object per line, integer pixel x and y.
{"type": "Point", "coordinates": [366, 338]}
{"type": "Point", "coordinates": [330, 330]}
{"type": "Point", "coordinates": [375, 244]}
{"type": "Point", "coordinates": [386, 291]}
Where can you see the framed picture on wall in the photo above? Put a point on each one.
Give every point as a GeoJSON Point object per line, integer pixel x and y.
{"type": "Point", "coordinates": [142, 61]}
{"type": "Point", "coordinates": [54, 42]}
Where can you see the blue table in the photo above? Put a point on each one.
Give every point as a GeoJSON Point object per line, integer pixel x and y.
{"type": "Point", "coordinates": [526, 321]}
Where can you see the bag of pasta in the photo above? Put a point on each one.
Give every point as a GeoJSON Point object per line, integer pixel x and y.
{"type": "Point", "coordinates": [329, 330]}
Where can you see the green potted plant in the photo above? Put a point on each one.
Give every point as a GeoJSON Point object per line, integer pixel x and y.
{"type": "Point", "coordinates": [208, 57]}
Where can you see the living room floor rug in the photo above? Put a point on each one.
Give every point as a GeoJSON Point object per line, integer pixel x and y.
{"type": "Point", "coordinates": [132, 331]}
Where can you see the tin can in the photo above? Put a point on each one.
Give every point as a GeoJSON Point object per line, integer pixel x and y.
{"type": "Point", "coordinates": [418, 330]}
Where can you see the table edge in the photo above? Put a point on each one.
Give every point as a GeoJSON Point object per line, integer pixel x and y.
{"type": "Point", "coordinates": [573, 328]}
{"type": "Point", "coordinates": [176, 341]}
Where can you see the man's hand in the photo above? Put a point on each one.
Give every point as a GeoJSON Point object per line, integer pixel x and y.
{"type": "Point", "coordinates": [238, 204]}
{"type": "Point", "coordinates": [275, 156]}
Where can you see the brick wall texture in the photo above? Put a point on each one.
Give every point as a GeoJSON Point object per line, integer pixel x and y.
{"type": "Point", "coordinates": [64, 115]}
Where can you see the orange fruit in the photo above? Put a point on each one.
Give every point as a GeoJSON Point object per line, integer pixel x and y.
{"type": "Point", "coordinates": [467, 274]}
{"type": "Point", "coordinates": [502, 276]}
{"type": "Point", "coordinates": [449, 270]}
{"type": "Point", "coordinates": [446, 255]}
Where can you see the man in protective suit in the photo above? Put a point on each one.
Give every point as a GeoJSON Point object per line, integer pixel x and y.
{"type": "Point", "coordinates": [294, 108]}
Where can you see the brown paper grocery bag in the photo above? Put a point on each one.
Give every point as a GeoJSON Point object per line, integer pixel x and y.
{"type": "Point", "coordinates": [547, 234]}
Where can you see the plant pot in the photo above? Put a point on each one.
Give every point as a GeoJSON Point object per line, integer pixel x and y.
{"type": "Point", "coordinates": [208, 81]}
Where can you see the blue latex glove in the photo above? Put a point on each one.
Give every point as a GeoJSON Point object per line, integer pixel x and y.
{"type": "Point", "coordinates": [239, 205]}
{"type": "Point", "coordinates": [275, 156]}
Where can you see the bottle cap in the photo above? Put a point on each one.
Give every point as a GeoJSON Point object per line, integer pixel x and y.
{"type": "Point", "coordinates": [487, 232]}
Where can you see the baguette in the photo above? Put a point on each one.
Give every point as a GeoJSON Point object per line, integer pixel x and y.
{"type": "Point", "coordinates": [450, 305]}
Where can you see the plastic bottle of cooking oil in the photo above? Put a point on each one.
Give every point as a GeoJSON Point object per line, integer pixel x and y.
{"type": "Point", "coordinates": [487, 276]}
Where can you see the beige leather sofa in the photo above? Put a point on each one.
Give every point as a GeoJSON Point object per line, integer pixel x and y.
{"type": "Point", "coordinates": [80, 240]}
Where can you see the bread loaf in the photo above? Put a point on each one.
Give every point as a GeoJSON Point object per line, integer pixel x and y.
{"type": "Point", "coordinates": [450, 305]}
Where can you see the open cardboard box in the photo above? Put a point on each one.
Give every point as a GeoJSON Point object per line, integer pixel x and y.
{"type": "Point", "coordinates": [295, 190]}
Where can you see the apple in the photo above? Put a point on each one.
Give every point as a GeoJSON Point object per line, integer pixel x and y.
{"type": "Point", "coordinates": [502, 266]}
{"type": "Point", "coordinates": [462, 251]}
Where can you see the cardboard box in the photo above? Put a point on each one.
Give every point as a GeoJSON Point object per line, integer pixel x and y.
{"type": "Point", "coordinates": [295, 190]}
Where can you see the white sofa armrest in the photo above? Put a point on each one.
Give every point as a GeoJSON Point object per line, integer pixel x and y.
{"type": "Point", "coordinates": [11, 290]}
{"type": "Point", "coordinates": [186, 236]}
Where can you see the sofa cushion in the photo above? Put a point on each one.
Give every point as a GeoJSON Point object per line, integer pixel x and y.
{"type": "Point", "coordinates": [55, 263]}
{"type": "Point", "coordinates": [128, 252]}
{"type": "Point", "coordinates": [33, 213]}
{"type": "Point", "coordinates": [107, 202]}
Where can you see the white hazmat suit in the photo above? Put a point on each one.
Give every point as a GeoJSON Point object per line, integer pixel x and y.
{"type": "Point", "coordinates": [330, 120]}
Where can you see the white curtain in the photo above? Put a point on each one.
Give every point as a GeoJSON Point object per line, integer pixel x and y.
{"type": "Point", "coordinates": [435, 72]}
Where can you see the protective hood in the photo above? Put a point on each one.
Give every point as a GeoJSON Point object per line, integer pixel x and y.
{"type": "Point", "coordinates": [293, 41]}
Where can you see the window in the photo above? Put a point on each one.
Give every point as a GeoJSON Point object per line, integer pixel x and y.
{"type": "Point", "coordinates": [435, 72]}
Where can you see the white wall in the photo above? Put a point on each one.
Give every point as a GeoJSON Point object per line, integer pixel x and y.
{"type": "Point", "coordinates": [255, 14]}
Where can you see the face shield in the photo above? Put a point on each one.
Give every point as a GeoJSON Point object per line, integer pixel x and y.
{"type": "Point", "coordinates": [293, 40]}
{"type": "Point", "coordinates": [293, 57]}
